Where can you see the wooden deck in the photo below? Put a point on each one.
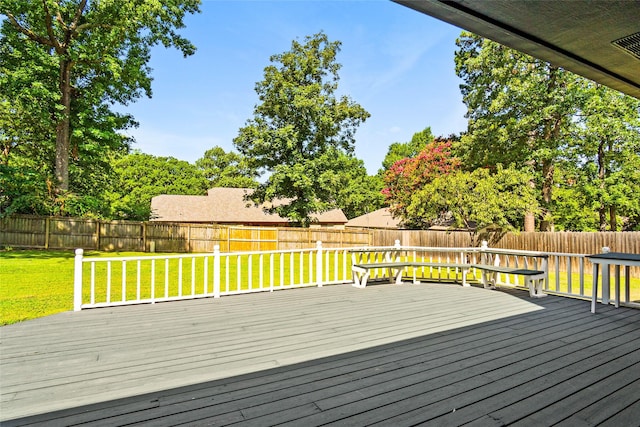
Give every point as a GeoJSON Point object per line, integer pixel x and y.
{"type": "Point", "coordinates": [436, 354]}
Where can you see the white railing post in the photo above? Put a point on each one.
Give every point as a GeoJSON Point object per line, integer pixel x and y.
{"type": "Point", "coordinates": [319, 263]}
{"type": "Point", "coordinates": [396, 244]}
{"type": "Point", "coordinates": [484, 246]}
{"type": "Point", "coordinates": [77, 281]}
{"type": "Point", "coordinates": [216, 271]}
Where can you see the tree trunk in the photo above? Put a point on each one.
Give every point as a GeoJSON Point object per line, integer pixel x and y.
{"type": "Point", "coordinates": [613, 220]}
{"type": "Point", "coordinates": [551, 133]}
{"type": "Point", "coordinates": [602, 213]}
{"type": "Point", "coordinates": [547, 186]}
{"type": "Point", "coordinates": [529, 222]}
{"type": "Point", "coordinates": [530, 217]}
{"type": "Point", "coordinates": [62, 128]}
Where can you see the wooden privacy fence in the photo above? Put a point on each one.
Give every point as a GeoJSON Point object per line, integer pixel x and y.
{"type": "Point", "coordinates": [62, 233]}
{"type": "Point", "coordinates": [557, 244]}
{"type": "Point", "coordinates": [578, 242]}
{"type": "Point", "coordinates": [71, 233]}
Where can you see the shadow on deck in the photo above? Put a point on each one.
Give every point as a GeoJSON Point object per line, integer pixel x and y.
{"type": "Point", "coordinates": [388, 355]}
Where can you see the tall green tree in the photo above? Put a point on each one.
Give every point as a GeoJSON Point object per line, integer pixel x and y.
{"type": "Point", "coordinates": [140, 177]}
{"type": "Point", "coordinates": [607, 152]}
{"type": "Point", "coordinates": [227, 169]}
{"type": "Point", "coordinates": [297, 125]}
{"type": "Point", "coordinates": [520, 111]}
{"type": "Point", "coordinates": [78, 57]}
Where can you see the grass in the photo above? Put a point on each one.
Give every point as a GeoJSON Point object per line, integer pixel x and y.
{"type": "Point", "coordinates": [168, 282]}
{"type": "Point", "coordinates": [37, 283]}
{"type": "Point", "coordinates": [40, 283]}
{"type": "Point", "coordinates": [563, 285]}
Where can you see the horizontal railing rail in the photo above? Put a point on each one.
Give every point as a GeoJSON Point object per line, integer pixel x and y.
{"type": "Point", "coordinates": [113, 281]}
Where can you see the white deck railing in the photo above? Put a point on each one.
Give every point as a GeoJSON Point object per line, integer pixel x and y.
{"type": "Point", "coordinates": [112, 281]}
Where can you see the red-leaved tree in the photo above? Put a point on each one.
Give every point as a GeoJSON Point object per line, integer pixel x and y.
{"type": "Point", "coordinates": [408, 175]}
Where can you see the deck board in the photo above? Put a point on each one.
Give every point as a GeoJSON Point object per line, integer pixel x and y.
{"type": "Point", "coordinates": [386, 355]}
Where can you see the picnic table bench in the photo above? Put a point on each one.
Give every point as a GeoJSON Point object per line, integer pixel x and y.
{"type": "Point", "coordinates": [363, 265]}
{"type": "Point", "coordinates": [395, 269]}
{"type": "Point", "coordinates": [534, 278]}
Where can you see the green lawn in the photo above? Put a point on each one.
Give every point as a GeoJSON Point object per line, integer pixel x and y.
{"type": "Point", "coordinates": [39, 283]}
{"type": "Point", "coordinates": [588, 285]}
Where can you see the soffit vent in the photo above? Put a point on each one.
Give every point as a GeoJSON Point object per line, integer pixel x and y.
{"type": "Point", "coordinates": [630, 44]}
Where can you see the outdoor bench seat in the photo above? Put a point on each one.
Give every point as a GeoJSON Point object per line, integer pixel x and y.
{"type": "Point", "coordinates": [361, 272]}
{"type": "Point", "coordinates": [534, 278]}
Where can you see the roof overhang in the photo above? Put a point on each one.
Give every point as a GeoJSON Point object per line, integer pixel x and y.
{"type": "Point", "coordinates": [598, 39]}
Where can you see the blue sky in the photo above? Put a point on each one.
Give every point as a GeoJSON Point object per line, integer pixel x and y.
{"type": "Point", "coordinates": [396, 63]}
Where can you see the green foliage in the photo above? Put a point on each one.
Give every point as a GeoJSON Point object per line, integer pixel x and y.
{"type": "Point", "coordinates": [478, 201]}
{"type": "Point", "coordinates": [348, 186]}
{"type": "Point", "coordinates": [406, 176]}
{"type": "Point", "coordinates": [75, 59]}
{"type": "Point", "coordinates": [224, 169]}
{"type": "Point", "coordinates": [579, 138]}
{"type": "Point", "coordinates": [22, 191]}
{"type": "Point", "coordinates": [140, 177]}
{"type": "Point", "coordinates": [298, 126]}
{"type": "Point", "coordinates": [606, 150]}
{"type": "Point", "coordinates": [520, 110]}
{"type": "Point", "coordinates": [571, 210]}
{"type": "Point", "coordinates": [402, 150]}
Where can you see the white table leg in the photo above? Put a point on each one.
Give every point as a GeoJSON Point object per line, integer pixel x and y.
{"type": "Point", "coordinates": [606, 283]}
{"type": "Point", "coordinates": [627, 278]}
{"type": "Point", "coordinates": [617, 290]}
{"type": "Point", "coordinates": [594, 293]}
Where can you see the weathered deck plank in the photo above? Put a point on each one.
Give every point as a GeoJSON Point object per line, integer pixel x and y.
{"type": "Point", "coordinates": [399, 355]}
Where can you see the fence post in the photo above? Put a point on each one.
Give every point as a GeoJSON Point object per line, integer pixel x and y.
{"type": "Point", "coordinates": [47, 231]}
{"type": "Point", "coordinates": [98, 223]}
{"type": "Point", "coordinates": [319, 263]}
{"type": "Point", "coordinates": [216, 271]}
{"type": "Point", "coordinates": [77, 281]}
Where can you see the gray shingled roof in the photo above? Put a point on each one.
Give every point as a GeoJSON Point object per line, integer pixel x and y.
{"type": "Point", "coordinates": [377, 219]}
{"type": "Point", "coordinates": [223, 206]}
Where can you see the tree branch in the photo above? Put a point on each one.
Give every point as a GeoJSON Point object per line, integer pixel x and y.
{"type": "Point", "coordinates": [79, 12]}
{"type": "Point", "coordinates": [27, 32]}
{"type": "Point", "coordinates": [60, 20]}
{"type": "Point", "coordinates": [49, 24]}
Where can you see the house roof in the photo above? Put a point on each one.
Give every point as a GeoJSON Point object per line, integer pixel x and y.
{"type": "Point", "coordinates": [224, 206]}
{"type": "Point", "coordinates": [381, 218]}
{"type": "Point", "coordinates": [597, 39]}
